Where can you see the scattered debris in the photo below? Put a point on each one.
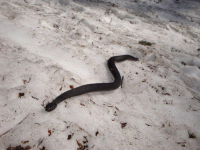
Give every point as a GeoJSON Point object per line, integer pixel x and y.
{"type": "Point", "coordinates": [56, 26]}
{"type": "Point", "coordinates": [84, 145]}
{"type": "Point", "coordinates": [183, 144]}
{"type": "Point", "coordinates": [34, 97]}
{"type": "Point", "coordinates": [168, 102]}
{"type": "Point", "coordinates": [25, 81]}
{"type": "Point", "coordinates": [92, 101]}
{"type": "Point", "coordinates": [81, 147]}
{"type": "Point", "coordinates": [20, 95]}
{"type": "Point", "coordinates": [49, 131]}
{"type": "Point", "coordinates": [24, 142]}
{"type": "Point", "coordinates": [82, 104]}
{"type": "Point", "coordinates": [43, 148]}
{"type": "Point", "coordinates": [70, 136]}
{"type": "Point", "coordinates": [40, 142]}
{"type": "Point", "coordinates": [144, 80]}
{"type": "Point", "coordinates": [147, 124]}
{"type": "Point", "coordinates": [145, 43]}
{"type": "Point", "coordinates": [19, 148]}
{"type": "Point", "coordinates": [97, 133]}
{"type": "Point", "coordinates": [183, 63]}
{"type": "Point", "coordinates": [123, 125]}
{"type": "Point", "coordinates": [165, 124]}
{"type": "Point", "coordinates": [86, 140]}
{"type": "Point", "coordinates": [193, 109]}
{"type": "Point", "coordinates": [117, 108]}
{"type": "Point", "coordinates": [60, 88]}
{"type": "Point", "coordinates": [191, 135]}
{"type": "Point", "coordinates": [166, 94]}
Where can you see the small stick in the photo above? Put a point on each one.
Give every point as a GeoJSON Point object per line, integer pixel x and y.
{"type": "Point", "coordinates": [13, 127]}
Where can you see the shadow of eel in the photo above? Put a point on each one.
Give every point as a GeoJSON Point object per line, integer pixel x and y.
{"type": "Point", "coordinates": [96, 86]}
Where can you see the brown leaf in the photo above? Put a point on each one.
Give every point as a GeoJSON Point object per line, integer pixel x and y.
{"type": "Point", "coordinates": [71, 86]}
{"type": "Point", "coordinates": [183, 144]}
{"type": "Point", "coordinates": [79, 144]}
{"type": "Point", "coordinates": [191, 135]}
{"type": "Point", "coordinates": [19, 148]}
{"type": "Point", "coordinates": [144, 80]}
{"type": "Point", "coordinates": [97, 133]}
{"type": "Point", "coordinates": [69, 136]}
{"type": "Point", "coordinates": [123, 125]}
{"type": "Point", "coordinates": [81, 147]}
{"type": "Point", "coordinates": [20, 95]}
{"type": "Point", "coordinates": [49, 131]}
{"type": "Point", "coordinates": [166, 94]}
{"type": "Point", "coordinates": [86, 140]}
{"type": "Point", "coordinates": [43, 148]}
{"type": "Point", "coordinates": [82, 104]}
{"type": "Point", "coordinates": [25, 81]}
{"type": "Point", "coordinates": [24, 142]}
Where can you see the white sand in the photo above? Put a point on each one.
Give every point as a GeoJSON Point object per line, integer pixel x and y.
{"type": "Point", "coordinates": [46, 46]}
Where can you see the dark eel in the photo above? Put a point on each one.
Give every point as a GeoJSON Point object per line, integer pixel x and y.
{"type": "Point", "coordinates": [96, 86]}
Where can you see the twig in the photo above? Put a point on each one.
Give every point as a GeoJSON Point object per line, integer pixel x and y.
{"type": "Point", "coordinates": [13, 127]}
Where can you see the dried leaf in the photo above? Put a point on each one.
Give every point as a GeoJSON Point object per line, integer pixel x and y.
{"type": "Point", "coordinates": [19, 148]}
{"type": "Point", "coordinates": [191, 135]}
{"type": "Point", "coordinates": [20, 95]}
{"type": "Point", "coordinates": [123, 125]}
{"type": "Point", "coordinates": [24, 142]}
{"type": "Point", "coordinates": [49, 131]}
{"type": "Point", "coordinates": [97, 133]}
{"type": "Point", "coordinates": [145, 43]}
{"type": "Point", "coordinates": [144, 80]}
{"type": "Point", "coordinates": [69, 136]}
{"type": "Point", "coordinates": [43, 148]}
{"type": "Point", "coordinates": [81, 147]}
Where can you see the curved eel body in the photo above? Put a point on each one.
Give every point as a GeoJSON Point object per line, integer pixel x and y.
{"type": "Point", "coordinates": [96, 86]}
